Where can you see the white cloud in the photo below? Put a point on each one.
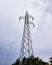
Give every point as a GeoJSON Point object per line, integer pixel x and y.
{"type": "Point", "coordinates": [42, 34]}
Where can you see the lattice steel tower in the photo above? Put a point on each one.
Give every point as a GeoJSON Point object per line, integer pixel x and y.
{"type": "Point", "coordinates": [26, 46]}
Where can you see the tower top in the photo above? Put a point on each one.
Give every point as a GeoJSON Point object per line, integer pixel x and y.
{"type": "Point", "coordinates": [26, 18]}
{"type": "Point", "coordinates": [26, 12]}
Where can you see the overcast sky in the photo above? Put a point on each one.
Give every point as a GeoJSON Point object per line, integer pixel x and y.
{"type": "Point", "coordinates": [11, 29]}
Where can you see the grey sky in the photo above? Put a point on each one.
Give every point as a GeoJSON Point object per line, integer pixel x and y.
{"type": "Point", "coordinates": [11, 29]}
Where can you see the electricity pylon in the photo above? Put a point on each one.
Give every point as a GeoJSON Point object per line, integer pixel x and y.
{"type": "Point", "coordinates": [26, 46]}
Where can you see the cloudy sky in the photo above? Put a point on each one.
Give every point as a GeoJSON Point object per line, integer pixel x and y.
{"type": "Point", "coordinates": [11, 29]}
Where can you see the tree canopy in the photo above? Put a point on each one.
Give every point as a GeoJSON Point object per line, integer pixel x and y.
{"type": "Point", "coordinates": [30, 61]}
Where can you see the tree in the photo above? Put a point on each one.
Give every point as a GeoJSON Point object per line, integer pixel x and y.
{"type": "Point", "coordinates": [17, 62]}
{"type": "Point", "coordinates": [31, 61]}
{"type": "Point", "coordinates": [24, 61]}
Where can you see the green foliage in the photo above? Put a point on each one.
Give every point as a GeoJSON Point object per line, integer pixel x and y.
{"type": "Point", "coordinates": [30, 61]}
{"type": "Point", "coordinates": [17, 62]}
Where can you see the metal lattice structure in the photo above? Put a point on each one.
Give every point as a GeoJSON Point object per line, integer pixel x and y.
{"type": "Point", "coordinates": [26, 46]}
